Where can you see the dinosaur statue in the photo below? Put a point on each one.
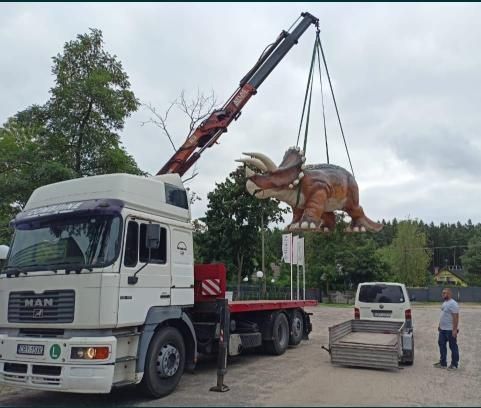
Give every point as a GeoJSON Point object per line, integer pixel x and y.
{"type": "Point", "coordinates": [324, 188]}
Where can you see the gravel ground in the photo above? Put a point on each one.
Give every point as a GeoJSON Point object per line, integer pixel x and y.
{"type": "Point", "coordinates": [305, 376]}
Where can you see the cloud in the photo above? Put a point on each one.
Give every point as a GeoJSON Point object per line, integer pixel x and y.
{"type": "Point", "coordinates": [407, 79]}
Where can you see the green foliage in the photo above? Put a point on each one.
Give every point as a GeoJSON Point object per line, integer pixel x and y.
{"type": "Point", "coordinates": [74, 133]}
{"type": "Point", "coordinates": [472, 261]}
{"type": "Point", "coordinates": [232, 226]}
{"type": "Point", "coordinates": [408, 256]}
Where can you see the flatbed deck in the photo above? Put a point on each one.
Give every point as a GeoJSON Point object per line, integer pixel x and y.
{"type": "Point", "coordinates": [240, 306]}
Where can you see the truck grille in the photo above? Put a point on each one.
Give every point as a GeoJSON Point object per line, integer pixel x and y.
{"type": "Point", "coordinates": [51, 306]}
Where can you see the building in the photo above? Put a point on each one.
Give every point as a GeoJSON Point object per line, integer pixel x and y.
{"type": "Point", "coordinates": [450, 275]}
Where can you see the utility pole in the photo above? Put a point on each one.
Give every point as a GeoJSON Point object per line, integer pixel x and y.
{"type": "Point", "coordinates": [264, 286]}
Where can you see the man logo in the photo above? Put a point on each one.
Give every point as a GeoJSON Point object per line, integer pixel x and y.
{"type": "Point", "coordinates": [45, 302]}
{"type": "Point", "coordinates": [37, 313]}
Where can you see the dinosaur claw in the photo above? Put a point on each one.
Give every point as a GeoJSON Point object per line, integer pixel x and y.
{"type": "Point", "coordinates": [363, 228]}
{"type": "Point", "coordinates": [326, 229]}
{"type": "Point", "coordinates": [355, 229]}
{"type": "Point", "coordinates": [348, 229]}
{"type": "Point", "coordinates": [305, 225]}
{"type": "Point", "coordinates": [312, 225]}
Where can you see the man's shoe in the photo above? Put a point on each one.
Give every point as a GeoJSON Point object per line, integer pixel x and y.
{"type": "Point", "coordinates": [452, 367]}
{"type": "Point", "coordinates": [439, 365]}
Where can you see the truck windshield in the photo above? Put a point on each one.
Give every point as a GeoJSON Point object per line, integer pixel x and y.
{"type": "Point", "coordinates": [70, 244]}
{"type": "Point", "coordinates": [381, 294]}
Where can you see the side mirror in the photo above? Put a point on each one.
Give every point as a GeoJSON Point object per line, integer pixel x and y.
{"type": "Point", "coordinates": [412, 298]}
{"type": "Point", "coordinates": [152, 236]}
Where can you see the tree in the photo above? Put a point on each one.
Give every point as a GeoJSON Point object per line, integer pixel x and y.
{"type": "Point", "coordinates": [408, 256]}
{"type": "Point", "coordinates": [90, 101]}
{"type": "Point", "coordinates": [232, 225]}
{"type": "Point", "coordinates": [74, 133]}
{"type": "Point", "coordinates": [472, 261]}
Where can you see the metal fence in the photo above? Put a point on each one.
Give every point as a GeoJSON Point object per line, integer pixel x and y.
{"type": "Point", "coordinates": [254, 292]}
{"type": "Point", "coordinates": [433, 293]}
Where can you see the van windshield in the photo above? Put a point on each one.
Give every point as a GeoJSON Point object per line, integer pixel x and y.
{"type": "Point", "coordinates": [68, 243]}
{"type": "Point", "coordinates": [381, 294]}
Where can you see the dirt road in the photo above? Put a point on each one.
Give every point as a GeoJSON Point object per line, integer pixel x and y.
{"type": "Point", "coordinates": [305, 376]}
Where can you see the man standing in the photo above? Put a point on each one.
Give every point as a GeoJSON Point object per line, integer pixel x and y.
{"type": "Point", "coordinates": [448, 331]}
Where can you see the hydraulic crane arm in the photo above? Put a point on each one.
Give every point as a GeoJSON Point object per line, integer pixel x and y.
{"type": "Point", "coordinates": [207, 133]}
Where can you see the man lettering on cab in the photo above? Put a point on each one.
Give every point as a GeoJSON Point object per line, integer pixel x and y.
{"type": "Point", "coordinates": [448, 331]}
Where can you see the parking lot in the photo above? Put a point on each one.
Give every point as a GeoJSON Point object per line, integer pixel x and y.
{"type": "Point", "coordinates": [305, 376]}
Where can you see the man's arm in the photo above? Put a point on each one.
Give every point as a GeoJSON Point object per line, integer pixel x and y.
{"type": "Point", "coordinates": [455, 324]}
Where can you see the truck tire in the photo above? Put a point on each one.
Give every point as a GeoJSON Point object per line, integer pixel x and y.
{"type": "Point", "coordinates": [297, 328]}
{"type": "Point", "coordinates": [164, 363]}
{"type": "Point", "coordinates": [280, 336]}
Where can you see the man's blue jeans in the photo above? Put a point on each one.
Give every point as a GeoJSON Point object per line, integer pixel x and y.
{"type": "Point", "coordinates": [446, 336]}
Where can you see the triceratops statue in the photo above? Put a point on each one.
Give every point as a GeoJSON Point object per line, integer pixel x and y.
{"type": "Point", "coordinates": [324, 188]}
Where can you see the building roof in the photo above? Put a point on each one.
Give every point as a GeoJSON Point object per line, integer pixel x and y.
{"type": "Point", "coordinates": [459, 273]}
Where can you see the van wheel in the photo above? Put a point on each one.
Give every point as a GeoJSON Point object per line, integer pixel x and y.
{"type": "Point", "coordinates": [409, 359]}
{"type": "Point", "coordinates": [280, 336]}
{"type": "Point", "coordinates": [297, 328]}
{"type": "Point", "coordinates": [164, 363]}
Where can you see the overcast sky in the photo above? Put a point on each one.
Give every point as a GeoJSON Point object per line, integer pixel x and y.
{"type": "Point", "coordinates": [407, 79]}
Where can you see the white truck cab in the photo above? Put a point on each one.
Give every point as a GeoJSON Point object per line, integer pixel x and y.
{"type": "Point", "coordinates": [72, 318]}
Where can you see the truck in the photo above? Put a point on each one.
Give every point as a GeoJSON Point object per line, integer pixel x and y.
{"type": "Point", "coordinates": [100, 289]}
{"type": "Point", "coordinates": [381, 335]}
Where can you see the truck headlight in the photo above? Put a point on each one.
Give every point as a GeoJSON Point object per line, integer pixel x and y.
{"type": "Point", "coordinates": [90, 353]}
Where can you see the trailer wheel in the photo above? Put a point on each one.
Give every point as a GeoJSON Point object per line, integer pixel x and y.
{"type": "Point", "coordinates": [164, 364]}
{"type": "Point", "coordinates": [297, 328]}
{"type": "Point", "coordinates": [280, 336]}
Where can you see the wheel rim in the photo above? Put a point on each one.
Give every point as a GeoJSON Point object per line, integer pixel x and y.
{"type": "Point", "coordinates": [297, 326]}
{"type": "Point", "coordinates": [168, 361]}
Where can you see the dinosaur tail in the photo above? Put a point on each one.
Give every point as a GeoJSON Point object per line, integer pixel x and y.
{"type": "Point", "coordinates": [369, 224]}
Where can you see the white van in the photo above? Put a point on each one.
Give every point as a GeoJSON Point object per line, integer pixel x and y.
{"type": "Point", "coordinates": [383, 301]}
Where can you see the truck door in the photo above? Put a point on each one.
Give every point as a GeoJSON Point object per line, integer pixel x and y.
{"type": "Point", "coordinates": [182, 267]}
{"type": "Point", "coordinates": [154, 280]}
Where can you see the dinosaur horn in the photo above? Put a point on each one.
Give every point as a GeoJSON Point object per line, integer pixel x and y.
{"type": "Point", "coordinates": [253, 162]}
{"type": "Point", "coordinates": [264, 159]}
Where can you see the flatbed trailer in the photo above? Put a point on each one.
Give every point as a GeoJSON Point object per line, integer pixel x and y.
{"type": "Point", "coordinates": [240, 306]}
{"type": "Point", "coordinates": [370, 343]}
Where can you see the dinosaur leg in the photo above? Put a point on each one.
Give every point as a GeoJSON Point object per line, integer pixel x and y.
{"type": "Point", "coordinates": [329, 220]}
{"type": "Point", "coordinates": [356, 214]}
{"type": "Point", "coordinates": [315, 206]}
{"type": "Point", "coordinates": [360, 222]}
{"type": "Point", "coordinates": [296, 216]}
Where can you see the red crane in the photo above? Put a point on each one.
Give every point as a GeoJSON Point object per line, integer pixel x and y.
{"type": "Point", "coordinates": [207, 133]}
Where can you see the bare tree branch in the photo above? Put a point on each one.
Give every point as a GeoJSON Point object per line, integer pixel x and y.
{"type": "Point", "coordinates": [160, 120]}
{"type": "Point", "coordinates": [196, 109]}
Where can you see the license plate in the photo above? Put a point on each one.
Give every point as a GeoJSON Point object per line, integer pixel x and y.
{"type": "Point", "coordinates": [381, 314]}
{"type": "Point", "coordinates": [30, 349]}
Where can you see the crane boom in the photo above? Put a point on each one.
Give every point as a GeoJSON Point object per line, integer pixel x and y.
{"type": "Point", "coordinates": [207, 133]}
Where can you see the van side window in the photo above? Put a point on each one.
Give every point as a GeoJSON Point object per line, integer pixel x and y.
{"type": "Point", "coordinates": [158, 255]}
{"type": "Point", "coordinates": [132, 244]}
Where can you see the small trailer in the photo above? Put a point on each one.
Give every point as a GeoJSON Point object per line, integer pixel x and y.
{"type": "Point", "coordinates": [371, 343]}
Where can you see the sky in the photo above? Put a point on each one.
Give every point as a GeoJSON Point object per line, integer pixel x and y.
{"type": "Point", "coordinates": [407, 80]}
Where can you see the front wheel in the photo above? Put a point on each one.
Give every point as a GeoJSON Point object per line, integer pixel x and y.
{"type": "Point", "coordinates": [164, 363]}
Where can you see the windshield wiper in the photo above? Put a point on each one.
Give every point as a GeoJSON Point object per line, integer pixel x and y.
{"type": "Point", "coordinates": [12, 271]}
{"type": "Point", "coordinates": [77, 268]}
